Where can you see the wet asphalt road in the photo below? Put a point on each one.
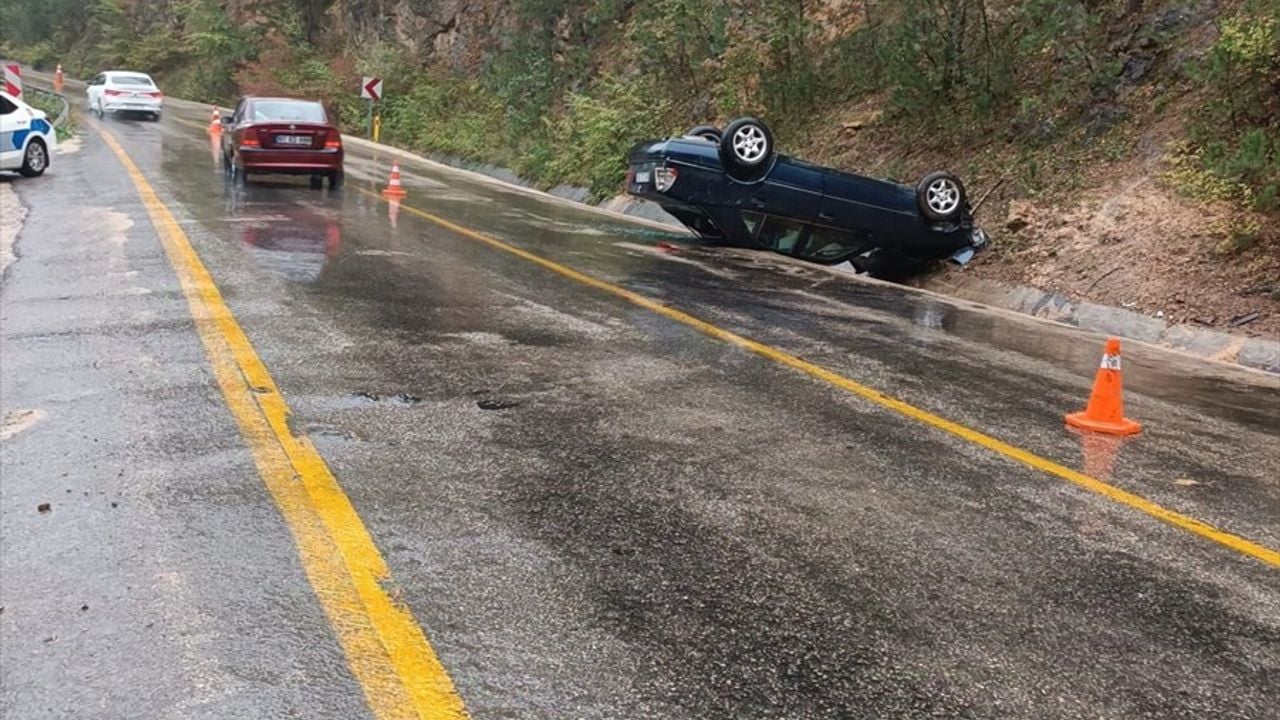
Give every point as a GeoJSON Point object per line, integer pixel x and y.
{"type": "Point", "coordinates": [592, 511]}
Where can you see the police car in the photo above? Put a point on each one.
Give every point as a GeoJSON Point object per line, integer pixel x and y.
{"type": "Point", "coordinates": [27, 138]}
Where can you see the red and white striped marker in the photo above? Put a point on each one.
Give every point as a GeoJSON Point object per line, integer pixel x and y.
{"type": "Point", "coordinates": [13, 79]}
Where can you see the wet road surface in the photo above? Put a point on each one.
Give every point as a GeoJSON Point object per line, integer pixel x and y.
{"type": "Point", "coordinates": [591, 510]}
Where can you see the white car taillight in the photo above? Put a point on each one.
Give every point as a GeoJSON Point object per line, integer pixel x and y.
{"type": "Point", "coordinates": [664, 178]}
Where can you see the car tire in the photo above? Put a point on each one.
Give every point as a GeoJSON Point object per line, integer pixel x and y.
{"type": "Point", "coordinates": [706, 132]}
{"type": "Point", "coordinates": [155, 117]}
{"type": "Point", "coordinates": [239, 178]}
{"type": "Point", "coordinates": [940, 197]}
{"type": "Point", "coordinates": [317, 182]}
{"type": "Point", "coordinates": [35, 159]}
{"type": "Point", "coordinates": [336, 180]}
{"type": "Point", "coordinates": [746, 148]}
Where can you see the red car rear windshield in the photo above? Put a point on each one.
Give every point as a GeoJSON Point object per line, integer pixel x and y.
{"type": "Point", "coordinates": [291, 110]}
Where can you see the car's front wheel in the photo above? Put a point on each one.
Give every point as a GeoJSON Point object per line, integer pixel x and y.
{"type": "Point", "coordinates": [746, 149]}
{"type": "Point", "coordinates": [940, 196]}
{"type": "Point", "coordinates": [35, 159]}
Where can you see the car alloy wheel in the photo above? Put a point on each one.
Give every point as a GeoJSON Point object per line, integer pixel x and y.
{"type": "Point", "coordinates": [37, 158]}
{"type": "Point", "coordinates": [943, 196]}
{"type": "Point", "coordinates": [750, 146]}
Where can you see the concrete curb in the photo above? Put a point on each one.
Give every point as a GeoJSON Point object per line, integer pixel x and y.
{"type": "Point", "coordinates": [1206, 343]}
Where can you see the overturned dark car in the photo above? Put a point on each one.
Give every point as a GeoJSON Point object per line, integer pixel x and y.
{"type": "Point", "coordinates": [732, 187]}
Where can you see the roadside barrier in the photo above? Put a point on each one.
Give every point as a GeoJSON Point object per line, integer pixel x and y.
{"type": "Point", "coordinates": [1105, 411]}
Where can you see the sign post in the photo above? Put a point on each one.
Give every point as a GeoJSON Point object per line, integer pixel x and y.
{"type": "Point", "coordinates": [371, 90]}
{"type": "Point", "coordinates": [13, 79]}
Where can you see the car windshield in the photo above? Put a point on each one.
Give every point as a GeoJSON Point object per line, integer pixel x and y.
{"type": "Point", "coordinates": [288, 110]}
{"type": "Point", "coordinates": [131, 80]}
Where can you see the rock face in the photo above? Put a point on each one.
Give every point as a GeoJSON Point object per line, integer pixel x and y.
{"type": "Point", "coordinates": [456, 33]}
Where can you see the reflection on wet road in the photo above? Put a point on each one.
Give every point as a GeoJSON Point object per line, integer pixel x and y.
{"type": "Point", "coordinates": [592, 506]}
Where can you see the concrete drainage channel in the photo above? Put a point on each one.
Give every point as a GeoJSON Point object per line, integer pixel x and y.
{"type": "Point", "coordinates": [1255, 353]}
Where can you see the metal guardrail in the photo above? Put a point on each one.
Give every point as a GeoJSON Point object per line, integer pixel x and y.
{"type": "Point", "coordinates": [66, 106]}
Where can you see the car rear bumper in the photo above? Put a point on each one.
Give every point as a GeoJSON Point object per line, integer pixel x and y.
{"type": "Point", "coordinates": [133, 105]}
{"type": "Point", "coordinates": [290, 162]}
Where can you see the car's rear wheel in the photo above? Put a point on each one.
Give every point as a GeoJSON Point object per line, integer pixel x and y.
{"type": "Point", "coordinates": [706, 132]}
{"type": "Point", "coordinates": [239, 177]}
{"type": "Point", "coordinates": [35, 159]}
{"type": "Point", "coordinates": [317, 182]}
{"type": "Point", "coordinates": [746, 149]}
{"type": "Point", "coordinates": [336, 180]}
{"type": "Point", "coordinates": [940, 196]}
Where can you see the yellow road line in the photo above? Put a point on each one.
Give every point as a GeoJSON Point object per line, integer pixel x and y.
{"type": "Point", "coordinates": [1137, 502]}
{"type": "Point", "coordinates": [385, 648]}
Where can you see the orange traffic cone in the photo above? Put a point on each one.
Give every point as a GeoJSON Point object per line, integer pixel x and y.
{"type": "Point", "coordinates": [57, 79]}
{"type": "Point", "coordinates": [1105, 411]}
{"type": "Point", "coordinates": [394, 189]}
{"type": "Point", "coordinates": [215, 124]}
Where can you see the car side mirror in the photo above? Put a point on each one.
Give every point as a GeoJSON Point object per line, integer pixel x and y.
{"type": "Point", "coordinates": [226, 119]}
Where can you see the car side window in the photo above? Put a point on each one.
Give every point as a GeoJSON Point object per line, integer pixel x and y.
{"type": "Point", "coordinates": [752, 221]}
{"type": "Point", "coordinates": [830, 244]}
{"type": "Point", "coordinates": [6, 107]}
{"type": "Point", "coordinates": [238, 115]}
{"type": "Point", "coordinates": [781, 235]}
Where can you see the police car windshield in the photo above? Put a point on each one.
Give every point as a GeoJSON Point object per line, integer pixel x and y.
{"type": "Point", "coordinates": [288, 110]}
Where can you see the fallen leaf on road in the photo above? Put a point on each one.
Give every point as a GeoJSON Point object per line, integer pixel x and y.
{"type": "Point", "coordinates": [44, 507]}
{"type": "Point", "coordinates": [19, 420]}
{"type": "Point", "coordinates": [1185, 482]}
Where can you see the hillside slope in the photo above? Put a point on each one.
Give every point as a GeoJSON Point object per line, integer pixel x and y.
{"type": "Point", "coordinates": [1133, 145]}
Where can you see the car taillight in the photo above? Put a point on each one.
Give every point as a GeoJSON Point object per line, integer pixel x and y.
{"type": "Point", "coordinates": [156, 95]}
{"type": "Point", "coordinates": [112, 92]}
{"type": "Point", "coordinates": [249, 141]}
{"type": "Point", "coordinates": [333, 141]}
{"type": "Point", "coordinates": [664, 178]}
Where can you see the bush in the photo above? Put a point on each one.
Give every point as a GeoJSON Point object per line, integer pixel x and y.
{"type": "Point", "coordinates": [1236, 134]}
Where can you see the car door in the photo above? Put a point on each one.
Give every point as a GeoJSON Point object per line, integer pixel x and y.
{"type": "Point", "coordinates": [792, 189]}
{"type": "Point", "coordinates": [232, 131]}
{"type": "Point", "coordinates": [10, 157]}
{"type": "Point", "coordinates": [853, 202]}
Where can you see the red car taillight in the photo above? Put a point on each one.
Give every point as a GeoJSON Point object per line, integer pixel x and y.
{"type": "Point", "coordinates": [112, 92]}
{"type": "Point", "coordinates": [249, 141]}
{"type": "Point", "coordinates": [664, 178]}
{"type": "Point", "coordinates": [156, 95]}
{"type": "Point", "coordinates": [333, 141]}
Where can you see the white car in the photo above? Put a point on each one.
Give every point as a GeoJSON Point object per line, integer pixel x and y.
{"type": "Point", "coordinates": [27, 138]}
{"type": "Point", "coordinates": [119, 91]}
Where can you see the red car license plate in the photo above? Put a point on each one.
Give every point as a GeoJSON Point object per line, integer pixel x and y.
{"type": "Point", "coordinates": [304, 140]}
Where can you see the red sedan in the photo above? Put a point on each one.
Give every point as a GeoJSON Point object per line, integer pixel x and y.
{"type": "Point", "coordinates": [281, 136]}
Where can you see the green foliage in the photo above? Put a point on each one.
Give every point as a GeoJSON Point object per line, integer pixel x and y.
{"type": "Point", "coordinates": [1237, 132]}
{"type": "Point", "coordinates": [597, 129]}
